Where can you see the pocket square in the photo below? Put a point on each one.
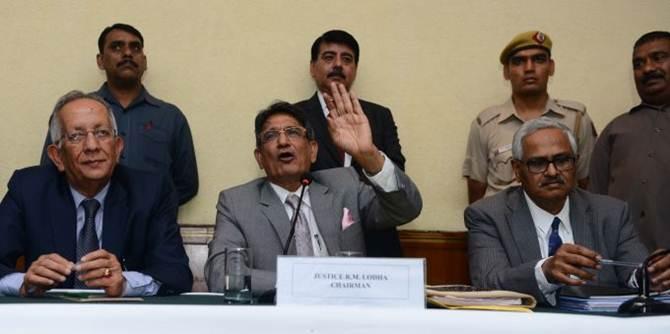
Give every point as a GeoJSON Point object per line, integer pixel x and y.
{"type": "Point", "coordinates": [347, 219]}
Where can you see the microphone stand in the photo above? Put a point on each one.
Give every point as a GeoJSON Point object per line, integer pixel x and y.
{"type": "Point", "coordinates": [644, 303]}
{"type": "Point", "coordinates": [268, 297]}
{"type": "Point", "coordinates": [305, 182]}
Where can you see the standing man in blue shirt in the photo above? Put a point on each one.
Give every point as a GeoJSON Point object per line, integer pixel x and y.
{"type": "Point", "coordinates": [156, 134]}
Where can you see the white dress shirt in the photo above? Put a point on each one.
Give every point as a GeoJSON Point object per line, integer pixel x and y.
{"type": "Point", "coordinates": [542, 220]}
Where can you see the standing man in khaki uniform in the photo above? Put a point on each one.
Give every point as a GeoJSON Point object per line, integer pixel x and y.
{"type": "Point", "coordinates": [527, 65]}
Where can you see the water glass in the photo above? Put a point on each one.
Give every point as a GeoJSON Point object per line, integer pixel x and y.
{"type": "Point", "coordinates": [237, 276]}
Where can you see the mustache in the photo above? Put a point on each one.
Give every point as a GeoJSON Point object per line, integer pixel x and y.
{"type": "Point", "coordinates": [336, 72]}
{"type": "Point", "coordinates": [549, 180]}
{"type": "Point", "coordinates": [127, 62]}
{"type": "Point", "coordinates": [653, 75]}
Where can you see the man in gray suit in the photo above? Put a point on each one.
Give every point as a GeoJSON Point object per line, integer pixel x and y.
{"type": "Point", "coordinates": [547, 233]}
{"type": "Point", "coordinates": [336, 208]}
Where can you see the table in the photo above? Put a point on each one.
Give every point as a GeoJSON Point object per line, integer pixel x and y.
{"type": "Point", "coordinates": [196, 314]}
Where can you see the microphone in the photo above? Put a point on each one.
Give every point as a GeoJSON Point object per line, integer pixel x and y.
{"type": "Point", "coordinates": [644, 303]}
{"type": "Point", "coordinates": [305, 181]}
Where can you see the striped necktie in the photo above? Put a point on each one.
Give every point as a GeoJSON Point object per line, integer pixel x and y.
{"type": "Point", "coordinates": [303, 242]}
{"type": "Point", "coordinates": [554, 239]}
{"type": "Point", "coordinates": [88, 238]}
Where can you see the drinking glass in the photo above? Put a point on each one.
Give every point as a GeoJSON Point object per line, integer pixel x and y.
{"type": "Point", "coordinates": [237, 276]}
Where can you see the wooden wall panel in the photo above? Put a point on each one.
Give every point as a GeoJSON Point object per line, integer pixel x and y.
{"type": "Point", "coordinates": [446, 254]}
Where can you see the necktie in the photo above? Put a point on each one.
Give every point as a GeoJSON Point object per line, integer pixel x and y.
{"type": "Point", "coordinates": [88, 239]}
{"type": "Point", "coordinates": [303, 243]}
{"type": "Point", "coordinates": [340, 156]}
{"type": "Point", "coordinates": [554, 239]}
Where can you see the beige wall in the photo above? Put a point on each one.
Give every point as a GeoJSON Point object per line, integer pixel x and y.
{"type": "Point", "coordinates": [434, 63]}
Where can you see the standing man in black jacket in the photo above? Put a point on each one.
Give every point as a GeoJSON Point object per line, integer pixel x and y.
{"type": "Point", "coordinates": [334, 58]}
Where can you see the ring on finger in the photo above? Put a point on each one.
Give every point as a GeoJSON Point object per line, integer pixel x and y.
{"type": "Point", "coordinates": [107, 272]}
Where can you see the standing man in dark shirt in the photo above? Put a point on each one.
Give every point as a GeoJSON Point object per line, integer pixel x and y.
{"type": "Point", "coordinates": [631, 159]}
{"type": "Point", "coordinates": [334, 58]}
{"type": "Point", "coordinates": [156, 134]}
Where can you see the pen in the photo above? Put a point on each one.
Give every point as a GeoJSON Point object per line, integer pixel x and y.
{"type": "Point", "coordinates": [620, 263]}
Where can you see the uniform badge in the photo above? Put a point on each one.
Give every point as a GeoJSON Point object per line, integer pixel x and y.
{"type": "Point", "coordinates": [539, 37]}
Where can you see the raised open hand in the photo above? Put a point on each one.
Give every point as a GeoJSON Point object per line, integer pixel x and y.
{"type": "Point", "coordinates": [349, 128]}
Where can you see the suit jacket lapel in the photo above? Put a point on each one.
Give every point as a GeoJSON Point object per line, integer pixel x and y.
{"type": "Point", "coordinates": [326, 219]}
{"type": "Point", "coordinates": [580, 220]}
{"type": "Point", "coordinates": [115, 220]}
{"type": "Point", "coordinates": [522, 227]}
{"type": "Point", "coordinates": [63, 216]}
{"type": "Point", "coordinates": [273, 209]}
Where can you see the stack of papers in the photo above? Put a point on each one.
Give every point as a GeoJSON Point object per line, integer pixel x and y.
{"type": "Point", "coordinates": [598, 298]}
{"type": "Point", "coordinates": [468, 297]}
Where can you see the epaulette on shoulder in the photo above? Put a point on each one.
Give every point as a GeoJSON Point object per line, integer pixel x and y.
{"type": "Point", "coordinates": [487, 116]}
{"type": "Point", "coordinates": [571, 105]}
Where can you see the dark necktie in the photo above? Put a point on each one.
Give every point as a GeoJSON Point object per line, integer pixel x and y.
{"type": "Point", "coordinates": [340, 156]}
{"type": "Point", "coordinates": [554, 239]}
{"type": "Point", "coordinates": [303, 242]}
{"type": "Point", "coordinates": [88, 239]}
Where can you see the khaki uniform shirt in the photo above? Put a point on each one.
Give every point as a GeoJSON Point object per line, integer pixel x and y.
{"type": "Point", "coordinates": [488, 158]}
{"type": "Point", "coordinates": [631, 161]}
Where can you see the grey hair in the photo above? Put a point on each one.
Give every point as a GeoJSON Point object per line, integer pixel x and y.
{"type": "Point", "coordinates": [55, 124]}
{"type": "Point", "coordinates": [532, 126]}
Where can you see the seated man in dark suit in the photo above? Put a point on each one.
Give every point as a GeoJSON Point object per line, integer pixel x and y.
{"type": "Point", "coordinates": [334, 58]}
{"type": "Point", "coordinates": [547, 233]}
{"type": "Point", "coordinates": [336, 208]}
{"type": "Point", "coordinates": [88, 222]}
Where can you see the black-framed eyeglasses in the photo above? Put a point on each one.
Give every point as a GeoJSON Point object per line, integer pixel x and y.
{"type": "Point", "coordinates": [540, 165]}
{"type": "Point", "coordinates": [292, 132]}
{"type": "Point", "coordinates": [77, 137]}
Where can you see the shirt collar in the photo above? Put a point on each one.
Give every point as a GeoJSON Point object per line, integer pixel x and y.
{"type": "Point", "coordinates": [553, 107]}
{"type": "Point", "coordinates": [322, 102]}
{"type": "Point", "coordinates": [643, 105]}
{"type": "Point", "coordinates": [143, 97]}
{"type": "Point", "coordinates": [509, 110]}
{"type": "Point", "coordinates": [543, 219]}
{"type": "Point", "coordinates": [100, 196]}
{"type": "Point", "coordinates": [283, 193]}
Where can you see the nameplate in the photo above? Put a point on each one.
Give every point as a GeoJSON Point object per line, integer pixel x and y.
{"type": "Point", "coordinates": [350, 281]}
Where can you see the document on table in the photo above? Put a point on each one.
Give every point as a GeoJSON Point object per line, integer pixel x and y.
{"type": "Point", "coordinates": [89, 295]}
{"type": "Point", "coordinates": [468, 297]}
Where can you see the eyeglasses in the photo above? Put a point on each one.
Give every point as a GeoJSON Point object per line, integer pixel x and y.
{"type": "Point", "coordinates": [100, 134]}
{"type": "Point", "coordinates": [292, 132]}
{"type": "Point", "coordinates": [540, 165]}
